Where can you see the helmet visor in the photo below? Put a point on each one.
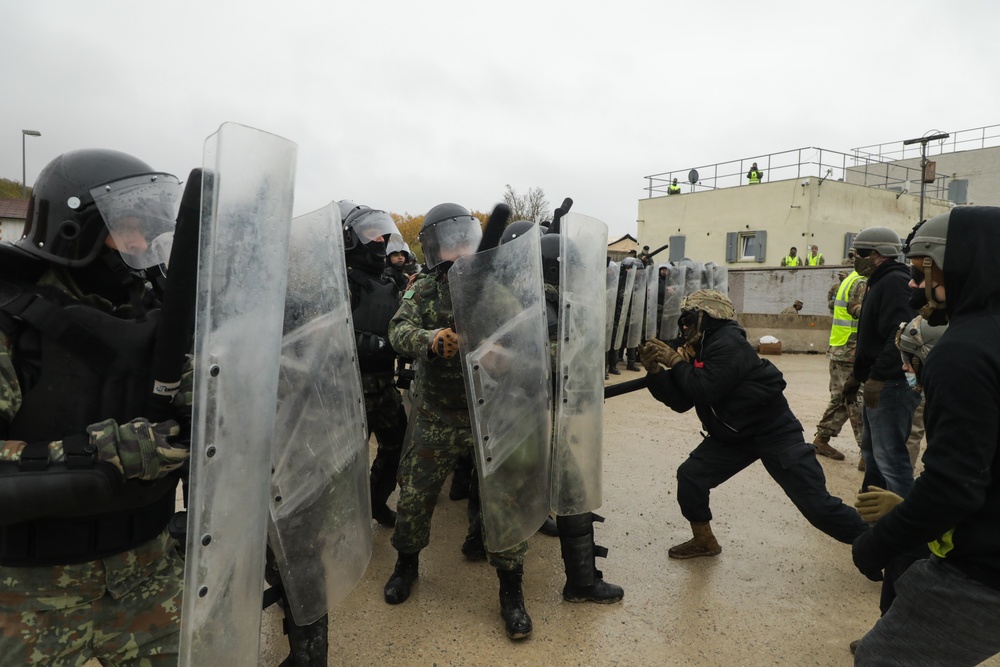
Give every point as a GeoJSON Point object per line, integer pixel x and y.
{"type": "Point", "coordinates": [140, 214]}
{"type": "Point", "coordinates": [451, 239]}
{"type": "Point", "coordinates": [374, 226]}
{"type": "Point", "coordinates": [396, 244]}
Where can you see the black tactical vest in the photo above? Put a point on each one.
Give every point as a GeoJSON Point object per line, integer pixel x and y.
{"type": "Point", "coordinates": [377, 302]}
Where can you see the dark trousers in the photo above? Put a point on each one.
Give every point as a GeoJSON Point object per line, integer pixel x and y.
{"type": "Point", "coordinates": [791, 463]}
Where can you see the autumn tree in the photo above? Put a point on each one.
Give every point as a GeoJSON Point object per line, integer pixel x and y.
{"type": "Point", "coordinates": [532, 205]}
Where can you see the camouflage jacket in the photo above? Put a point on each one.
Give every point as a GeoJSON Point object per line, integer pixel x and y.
{"type": "Point", "coordinates": [855, 297]}
{"type": "Point", "coordinates": [427, 307]}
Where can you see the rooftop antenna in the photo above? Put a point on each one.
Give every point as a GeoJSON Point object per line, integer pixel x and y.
{"type": "Point", "coordinates": [923, 141]}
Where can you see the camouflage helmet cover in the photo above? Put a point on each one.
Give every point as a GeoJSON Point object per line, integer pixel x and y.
{"type": "Point", "coordinates": [711, 302]}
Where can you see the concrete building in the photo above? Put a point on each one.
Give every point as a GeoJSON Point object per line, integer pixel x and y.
{"type": "Point", "coordinates": [813, 196]}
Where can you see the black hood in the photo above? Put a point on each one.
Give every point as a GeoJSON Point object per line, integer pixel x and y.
{"type": "Point", "coordinates": [973, 246]}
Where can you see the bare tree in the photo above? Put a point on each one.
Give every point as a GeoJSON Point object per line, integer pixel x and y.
{"type": "Point", "coordinates": [530, 206]}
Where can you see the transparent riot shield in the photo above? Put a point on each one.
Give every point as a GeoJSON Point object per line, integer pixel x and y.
{"type": "Point", "coordinates": [637, 309]}
{"type": "Point", "coordinates": [611, 296]}
{"type": "Point", "coordinates": [650, 323]}
{"type": "Point", "coordinates": [625, 297]}
{"type": "Point", "coordinates": [243, 258]}
{"type": "Point", "coordinates": [500, 320]}
{"type": "Point", "coordinates": [670, 293]}
{"type": "Point", "coordinates": [719, 277]}
{"type": "Point", "coordinates": [579, 404]}
{"type": "Point", "coordinates": [320, 528]}
{"type": "Point", "coordinates": [693, 275]}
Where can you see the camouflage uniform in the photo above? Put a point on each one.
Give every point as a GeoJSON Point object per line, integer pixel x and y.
{"type": "Point", "coordinates": [124, 608]}
{"type": "Point", "coordinates": [442, 429]}
{"type": "Point", "coordinates": [838, 410]}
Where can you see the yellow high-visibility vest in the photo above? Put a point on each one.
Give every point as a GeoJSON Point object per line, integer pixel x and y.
{"type": "Point", "coordinates": [843, 324]}
{"type": "Point", "coordinates": [792, 261]}
{"type": "Point", "coordinates": [814, 259]}
{"type": "Point", "coordinates": [754, 176]}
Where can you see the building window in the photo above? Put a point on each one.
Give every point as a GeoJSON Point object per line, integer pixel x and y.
{"type": "Point", "coordinates": [746, 246]}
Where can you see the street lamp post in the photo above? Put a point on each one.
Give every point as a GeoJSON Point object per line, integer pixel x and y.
{"type": "Point", "coordinates": [923, 141]}
{"type": "Point", "coordinates": [24, 178]}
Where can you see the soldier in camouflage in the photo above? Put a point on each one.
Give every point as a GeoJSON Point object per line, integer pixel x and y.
{"type": "Point", "coordinates": [88, 485]}
{"type": "Point", "coordinates": [422, 329]}
{"type": "Point", "coordinates": [846, 307]}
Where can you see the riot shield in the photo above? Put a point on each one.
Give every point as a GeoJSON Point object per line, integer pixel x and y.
{"type": "Point", "coordinates": [500, 319]}
{"type": "Point", "coordinates": [625, 297]}
{"type": "Point", "coordinates": [611, 296]}
{"type": "Point", "coordinates": [694, 275]}
{"type": "Point", "coordinates": [719, 277]}
{"type": "Point", "coordinates": [670, 297]}
{"type": "Point", "coordinates": [652, 325]}
{"type": "Point", "coordinates": [637, 313]}
{"type": "Point", "coordinates": [243, 256]}
{"type": "Point", "coordinates": [579, 411]}
{"type": "Point", "coordinates": [320, 528]}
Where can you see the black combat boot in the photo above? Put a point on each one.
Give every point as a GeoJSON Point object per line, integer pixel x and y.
{"type": "Point", "coordinates": [550, 527]}
{"type": "Point", "coordinates": [584, 582]}
{"type": "Point", "coordinates": [630, 356]}
{"type": "Point", "coordinates": [613, 362]}
{"type": "Point", "coordinates": [397, 589]}
{"type": "Point", "coordinates": [515, 616]}
{"type": "Point", "coordinates": [307, 643]}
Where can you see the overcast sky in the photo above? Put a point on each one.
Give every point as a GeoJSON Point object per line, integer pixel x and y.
{"type": "Point", "coordinates": [404, 105]}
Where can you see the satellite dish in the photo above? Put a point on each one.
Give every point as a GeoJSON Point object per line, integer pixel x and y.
{"type": "Point", "coordinates": [693, 176]}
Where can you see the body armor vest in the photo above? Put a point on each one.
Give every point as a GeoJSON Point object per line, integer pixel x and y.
{"type": "Point", "coordinates": [377, 302]}
{"type": "Point", "coordinates": [77, 366]}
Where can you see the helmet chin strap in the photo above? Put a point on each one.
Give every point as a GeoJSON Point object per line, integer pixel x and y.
{"type": "Point", "coordinates": [928, 309]}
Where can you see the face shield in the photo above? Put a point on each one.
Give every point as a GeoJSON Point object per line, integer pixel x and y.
{"type": "Point", "coordinates": [140, 213]}
{"type": "Point", "coordinates": [450, 239]}
{"type": "Point", "coordinates": [396, 244]}
{"type": "Point", "coordinates": [374, 226]}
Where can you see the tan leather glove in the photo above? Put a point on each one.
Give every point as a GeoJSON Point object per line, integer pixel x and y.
{"type": "Point", "coordinates": [444, 343]}
{"type": "Point", "coordinates": [875, 503]}
{"type": "Point", "coordinates": [686, 352]}
{"type": "Point", "coordinates": [647, 357]}
{"type": "Point", "coordinates": [669, 357]}
{"type": "Point", "coordinates": [871, 392]}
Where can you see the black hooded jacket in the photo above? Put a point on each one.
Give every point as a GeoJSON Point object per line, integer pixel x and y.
{"type": "Point", "coordinates": [886, 305]}
{"type": "Point", "coordinates": [738, 396]}
{"type": "Point", "coordinates": [956, 499]}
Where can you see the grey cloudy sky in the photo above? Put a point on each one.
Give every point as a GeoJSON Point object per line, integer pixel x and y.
{"type": "Point", "coordinates": [403, 106]}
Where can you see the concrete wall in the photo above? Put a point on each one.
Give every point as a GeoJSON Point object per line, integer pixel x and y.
{"type": "Point", "coordinates": [980, 167]}
{"type": "Point", "coordinates": [795, 212]}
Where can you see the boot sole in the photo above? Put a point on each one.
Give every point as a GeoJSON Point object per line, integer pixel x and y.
{"type": "Point", "coordinates": [595, 600]}
{"type": "Point", "coordinates": [697, 555]}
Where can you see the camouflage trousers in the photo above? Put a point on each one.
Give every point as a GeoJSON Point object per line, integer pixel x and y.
{"type": "Point", "coordinates": [838, 410]}
{"type": "Point", "coordinates": [124, 610]}
{"type": "Point", "coordinates": [439, 438]}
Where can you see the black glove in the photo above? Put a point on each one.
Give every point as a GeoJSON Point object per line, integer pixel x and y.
{"type": "Point", "coordinates": [865, 558]}
{"type": "Point", "coordinates": [851, 389]}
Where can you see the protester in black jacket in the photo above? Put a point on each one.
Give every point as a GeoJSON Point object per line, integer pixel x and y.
{"type": "Point", "coordinates": [889, 402]}
{"type": "Point", "coordinates": [947, 606]}
{"type": "Point", "coordinates": [739, 398]}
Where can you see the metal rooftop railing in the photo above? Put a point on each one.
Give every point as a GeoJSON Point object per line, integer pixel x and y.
{"type": "Point", "coordinates": [872, 166]}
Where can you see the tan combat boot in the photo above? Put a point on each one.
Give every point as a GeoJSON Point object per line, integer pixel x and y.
{"type": "Point", "coordinates": [703, 543]}
{"type": "Point", "coordinates": [821, 443]}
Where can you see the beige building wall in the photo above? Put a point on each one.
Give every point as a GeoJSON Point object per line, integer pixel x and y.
{"type": "Point", "coordinates": [980, 167]}
{"type": "Point", "coordinates": [795, 212]}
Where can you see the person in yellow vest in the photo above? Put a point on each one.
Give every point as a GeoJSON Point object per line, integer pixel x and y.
{"type": "Point", "coordinates": [815, 257]}
{"type": "Point", "coordinates": [843, 342]}
{"type": "Point", "coordinates": [673, 188]}
{"type": "Point", "coordinates": [755, 175]}
{"type": "Point", "coordinates": [792, 258]}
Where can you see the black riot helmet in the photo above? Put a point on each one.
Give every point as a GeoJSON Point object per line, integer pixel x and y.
{"type": "Point", "coordinates": [366, 233]}
{"type": "Point", "coordinates": [449, 232]}
{"type": "Point", "coordinates": [82, 197]}
{"type": "Point", "coordinates": [515, 230]}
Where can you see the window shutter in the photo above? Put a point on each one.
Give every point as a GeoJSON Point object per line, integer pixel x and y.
{"type": "Point", "coordinates": [761, 238]}
{"type": "Point", "coordinates": [676, 248]}
{"type": "Point", "coordinates": [732, 246]}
